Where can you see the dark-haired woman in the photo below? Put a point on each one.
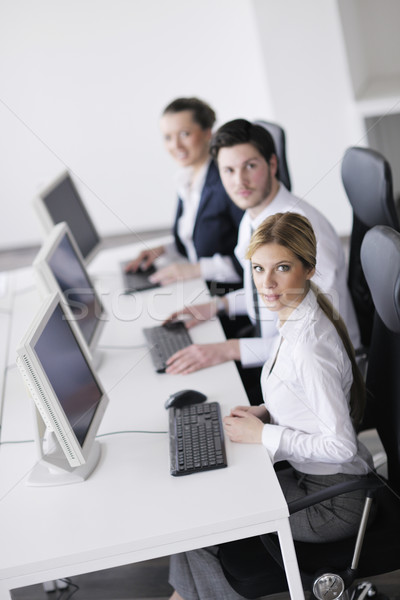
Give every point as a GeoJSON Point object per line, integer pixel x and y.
{"type": "Point", "coordinates": [206, 224]}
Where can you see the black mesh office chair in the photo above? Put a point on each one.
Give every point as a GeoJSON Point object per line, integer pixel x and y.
{"type": "Point", "coordinates": [245, 563]}
{"type": "Point", "coordinates": [279, 138]}
{"type": "Point", "coordinates": [367, 179]}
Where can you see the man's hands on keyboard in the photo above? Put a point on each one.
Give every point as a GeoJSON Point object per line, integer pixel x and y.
{"type": "Point", "coordinates": [199, 356]}
{"type": "Point", "coordinates": [195, 314]}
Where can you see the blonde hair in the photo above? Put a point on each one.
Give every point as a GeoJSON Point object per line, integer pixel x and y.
{"type": "Point", "coordinates": [294, 232]}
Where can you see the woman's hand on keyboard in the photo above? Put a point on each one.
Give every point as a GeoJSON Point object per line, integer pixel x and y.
{"type": "Point", "coordinates": [175, 272]}
{"type": "Point", "coordinates": [199, 356]}
{"type": "Point", "coordinates": [145, 259]}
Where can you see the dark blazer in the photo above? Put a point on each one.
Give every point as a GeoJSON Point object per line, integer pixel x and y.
{"type": "Point", "coordinates": [217, 221]}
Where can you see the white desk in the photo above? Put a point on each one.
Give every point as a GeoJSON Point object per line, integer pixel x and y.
{"type": "Point", "coordinates": [131, 509]}
{"type": "Point", "coordinates": [8, 285]}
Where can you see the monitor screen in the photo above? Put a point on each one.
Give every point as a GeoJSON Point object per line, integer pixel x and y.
{"type": "Point", "coordinates": [68, 373]}
{"type": "Point", "coordinates": [60, 267]}
{"type": "Point", "coordinates": [78, 291]}
{"type": "Point", "coordinates": [62, 202]}
{"type": "Point", "coordinates": [69, 397]}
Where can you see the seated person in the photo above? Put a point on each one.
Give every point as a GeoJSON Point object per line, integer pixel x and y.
{"type": "Point", "coordinates": [206, 224]}
{"type": "Point", "coordinates": [247, 163]}
{"type": "Point", "coordinates": [313, 398]}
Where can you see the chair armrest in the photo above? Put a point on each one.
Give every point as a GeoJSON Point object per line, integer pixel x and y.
{"type": "Point", "coordinates": [371, 484]}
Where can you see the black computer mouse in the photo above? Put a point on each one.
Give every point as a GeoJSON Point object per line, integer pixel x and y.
{"type": "Point", "coordinates": [183, 398]}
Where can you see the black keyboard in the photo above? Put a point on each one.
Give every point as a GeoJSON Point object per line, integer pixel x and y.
{"type": "Point", "coordinates": [164, 341]}
{"type": "Point", "coordinates": [196, 439]}
{"type": "Point", "coordinates": [138, 280]}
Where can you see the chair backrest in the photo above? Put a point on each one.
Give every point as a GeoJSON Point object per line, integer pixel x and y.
{"type": "Point", "coordinates": [367, 179]}
{"type": "Point", "coordinates": [380, 258]}
{"type": "Point", "coordinates": [278, 135]}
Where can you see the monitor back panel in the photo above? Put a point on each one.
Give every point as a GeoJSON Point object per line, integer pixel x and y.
{"type": "Point", "coordinates": [62, 202]}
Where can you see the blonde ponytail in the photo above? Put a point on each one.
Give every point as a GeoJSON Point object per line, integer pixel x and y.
{"type": "Point", "coordinates": [357, 392]}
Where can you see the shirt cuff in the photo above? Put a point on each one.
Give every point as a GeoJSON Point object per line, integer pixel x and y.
{"type": "Point", "coordinates": [218, 268]}
{"type": "Point", "coordinates": [271, 439]}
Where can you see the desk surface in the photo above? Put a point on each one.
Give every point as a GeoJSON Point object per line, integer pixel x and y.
{"type": "Point", "coordinates": [130, 509]}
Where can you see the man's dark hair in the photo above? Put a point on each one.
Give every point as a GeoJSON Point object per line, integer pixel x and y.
{"type": "Point", "coordinates": [241, 131]}
{"type": "Point", "coordinates": [203, 114]}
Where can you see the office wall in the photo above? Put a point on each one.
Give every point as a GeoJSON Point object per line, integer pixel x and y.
{"type": "Point", "coordinates": [82, 84]}
{"type": "Point", "coordinates": [373, 46]}
{"type": "Point", "coordinates": [308, 74]}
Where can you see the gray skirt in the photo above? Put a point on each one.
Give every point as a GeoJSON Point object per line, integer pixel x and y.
{"type": "Point", "coordinates": [332, 520]}
{"type": "Point", "coordinates": [198, 575]}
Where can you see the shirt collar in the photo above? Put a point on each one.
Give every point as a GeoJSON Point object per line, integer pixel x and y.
{"type": "Point", "coordinates": [183, 179]}
{"type": "Point", "coordinates": [301, 318]}
{"type": "Point", "coordinates": [284, 201]}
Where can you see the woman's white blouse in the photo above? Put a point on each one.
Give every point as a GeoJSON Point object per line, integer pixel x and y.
{"type": "Point", "coordinates": [307, 394]}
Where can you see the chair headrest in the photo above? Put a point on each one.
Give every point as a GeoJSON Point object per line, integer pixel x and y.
{"type": "Point", "coordinates": [278, 135]}
{"type": "Point", "coordinates": [367, 179]}
{"type": "Point", "coordinates": [380, 259]}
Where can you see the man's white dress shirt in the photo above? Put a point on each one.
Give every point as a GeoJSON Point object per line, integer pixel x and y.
{"type": "Point", "coordinates": [307, 394]}
{"type": "Point", "coordinates": [330, 276]}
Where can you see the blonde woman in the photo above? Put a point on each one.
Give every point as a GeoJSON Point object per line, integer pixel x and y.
{"type": "Point", "coordinates": [313, 397]}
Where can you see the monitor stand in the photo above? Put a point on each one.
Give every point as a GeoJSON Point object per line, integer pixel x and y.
{"type": "Point", "coordinates": [53, 468]}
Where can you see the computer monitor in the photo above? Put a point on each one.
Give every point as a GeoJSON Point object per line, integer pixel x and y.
{"type": "Point", "coordinates": [60, 201]}
{"type": "Point", "coordinates": [59, 267]}
{"type": "Point", "coordinates": [70, 400]}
